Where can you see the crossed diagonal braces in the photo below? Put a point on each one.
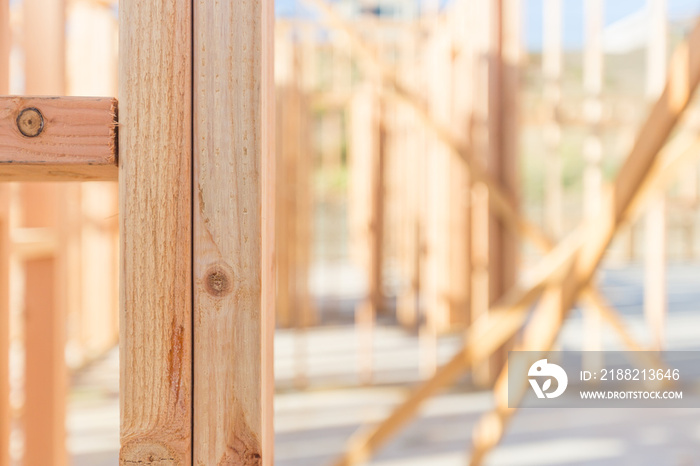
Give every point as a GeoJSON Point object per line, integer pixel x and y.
{"type": "Point", "coordinates": [563, 276]}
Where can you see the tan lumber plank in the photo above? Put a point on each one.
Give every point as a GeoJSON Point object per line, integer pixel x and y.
{"type": "Point", "coordinates": [156, 236]}
{"type": "Point", "coordinates": [46, 380]}
{"type": "Point", "coordinates": [45, 205]}
{"type": "Point", "coordinates": [655, 224]}
{"type": "Point", "coordinates": [234, 275]}
{"type": "Point", "coordinates": [5, 411]}
{"type": "Point", "coordinates": [552, 70]}
{"type": "Point", "coordinates": [76, 138]}
{"type": "Point", "coordinates": [593, 70]}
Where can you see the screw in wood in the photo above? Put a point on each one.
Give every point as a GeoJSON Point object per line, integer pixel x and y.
{"type": "Point", "coordinates": [30, 122]}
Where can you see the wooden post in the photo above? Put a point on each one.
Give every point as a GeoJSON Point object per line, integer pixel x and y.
{"type": "Point", "coordinates": [5, 411]}
{"type": "Point", "coordinates": [44, 205]}
{"type": "Point", "coordinates": [551, 72]}
{"type": "Point", "coordinates": [287, 145]}
{"type": "Point", "coordinates": [440, 196]}
{"type": "Point", "coordinates": [410, 139]}
{"type": "Point", "coordinates": [494, 248]}
{"type": "Point", "coordinates": [592, 154]}
{"type": "Point", "coordinates": [234, 177]}
{"type": "Point", "coordinates": [367, 185]}
{"type": "Point", "coordinates": [155, 217]}
{"type": "Point", "coordinates": [92, 70]}
{"type": "Point", "coordinates": [655, 221]}
{"type": "Point", "coordinates": [504, 246]}
{"type": "Point", "coordinates": [46, 381]}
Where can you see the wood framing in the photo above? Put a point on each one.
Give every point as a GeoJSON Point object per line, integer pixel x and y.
{"type": "Point", "coordinates": [155, 216]}
{"type": "Point", "coordinates": [234, 177]}
{"type": "Point", "coordinates": [46, 384]}
{"type": "Point", "coordinates": [58, 138]}
{"type": "Point", "coordinates": [5, 411]}
{"type": "Point", "coordinates": [655, 292]}
{"type": "Point", "coordinates": [551, 71]}
{"type": "Point", "coordinates": [579, 260]}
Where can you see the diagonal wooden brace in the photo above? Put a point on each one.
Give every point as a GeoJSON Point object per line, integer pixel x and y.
{"type": "Point", "coordinates": [58, 139]}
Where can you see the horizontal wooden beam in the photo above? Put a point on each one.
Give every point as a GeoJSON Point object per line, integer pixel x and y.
{"type": "Point", "coordinates": [58, 138]}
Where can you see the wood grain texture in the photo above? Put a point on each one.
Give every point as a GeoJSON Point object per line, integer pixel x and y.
{"type": "Point", "coordinates": [77, 141]}
{"type": "Point", "coordinates": [156, 237]}
{"type": "Point", "coordinates": [233, 232]}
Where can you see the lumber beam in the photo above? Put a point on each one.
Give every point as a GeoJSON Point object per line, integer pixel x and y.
{"type": "Point", "coordinates": [46, 383]}
{"type": "Point", "coordinates": [155, 224]}
{"type": "Point", "coordinates": [45, 205]}
{"type": "Point", "coordinates": [578, 261]}
{"type": "Point", "coordinates": [233, 230]}
{"type": "Point", "coordinates": [551, 71]}
{"type": "Point", "coordinates": [58, 138]}
{"type": "Point", "coordinates": [656, 224]}
{"type": "Point", "coordinates": [5, 408]}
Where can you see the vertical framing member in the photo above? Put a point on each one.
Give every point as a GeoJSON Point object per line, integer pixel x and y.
{"type": "Point", "coordinates": [655, 299]}
{"type": "Point", "coordinates": [234, 178]}
{"type": "Point", "coordinates": [155, 220]}
{"type": "Point", "coordinates": [46, 205]}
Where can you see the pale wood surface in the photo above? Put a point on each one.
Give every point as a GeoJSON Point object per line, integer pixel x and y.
{"type": "Point", "coordinates": [46, 382]}
{"type": "Point", "coordinates": [655, 224]}
{"type": "Point", "coordinates": [92, 62]}
{"type": "Point", "coordinates": [5, 412]}
{"type": "Point", "coordinates": [592, 153]}
{"type": "Point", "coordinates": [45, 205]}
{"type": "Point", "coordinates": [77, 142]}
{"type": "Point", "coordinates": [234, 272]}
{"type": "Point", "coordinates": [364, 157]}
{"type": "Point", "coordinates": [155, 227]}
{"type": "Point", "coordinates": [44, 46]}
{"type": "Point", "coordinates": [551, 72]}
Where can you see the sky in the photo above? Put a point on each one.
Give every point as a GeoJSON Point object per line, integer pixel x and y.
{"type": "Point", "coordinates": [572, 12]}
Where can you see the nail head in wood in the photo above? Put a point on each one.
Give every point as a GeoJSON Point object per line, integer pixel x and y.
{"type": "Point", "coordinates": [30, 122]}
{"type": "Point", "coordinates": [69, 139]}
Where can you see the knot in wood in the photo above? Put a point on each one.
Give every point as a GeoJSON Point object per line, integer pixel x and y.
{"type": "Point", "coordinates": [30, 122]}
{"type": "Point", "coordinates": [218, 281]}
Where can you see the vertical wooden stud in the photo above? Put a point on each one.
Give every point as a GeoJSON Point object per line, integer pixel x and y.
{"type": "Point", "coordinates": [366, 186]}
{"type": "Point", "coordinates": [494, 248]}
{"type": "Point", "coordinates": [5, 411]}
{"type": "Point", "coordinates": [551, 71]}
{"type": "Point", "coordinates": [155, 225]}
{"type": "Point", "coordinates": [655, 221]}
{"type": "Point", "coordinates": [592, 150]}
{"type": "Point", "coordinates": [44, 205]}
{"type": "Point", "coordinates": [409, 252]}
{"type": "Point", "coordinates": [286, 144]}
{"type": "Point", "coordinates": [92, 70]}
{"type": "Point", "coordinates": [233, 232]}
{"type": "Point", "coordinates": [504, 138]}
{"type": "Point", "coordinates": [46, 381]}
